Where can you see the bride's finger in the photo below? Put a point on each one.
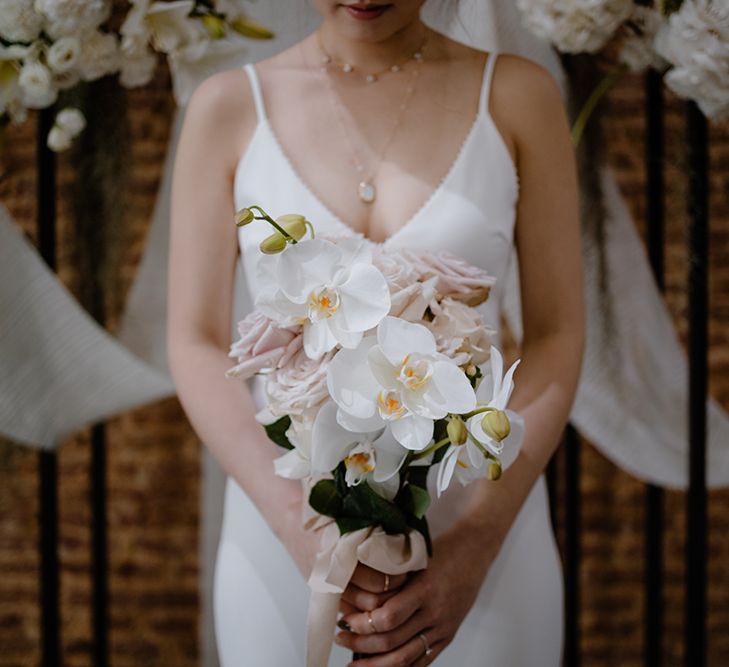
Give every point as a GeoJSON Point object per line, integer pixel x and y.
{"type": "Point", "coordinates": [392, 613]}
{"type": "Point", "coordinates": [364, 600]}
{"type": "Point", "coordinates": [411, 653]}
{"type": "Point", "coordinates": [375, 581]}
{"type": "Point", "coordinates": [382, 642]}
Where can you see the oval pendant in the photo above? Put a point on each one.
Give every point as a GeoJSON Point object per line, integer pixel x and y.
{"type": "Point", "coordinates": [367, 192]}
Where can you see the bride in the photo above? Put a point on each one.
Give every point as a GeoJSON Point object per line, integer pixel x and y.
{"type": "Point", "coordinates": [378, 125]}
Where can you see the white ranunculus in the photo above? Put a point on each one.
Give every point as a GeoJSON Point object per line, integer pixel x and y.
{"type": "Point", "coordinates": [71, 120]}
{"type": "Point", "coordinates": [695, 41]}
{"type": "Point", "coordinates": [575, 26]}
{"type": "Point", "coordinates": [375, 456]}
{"type": "Point", "coordinates": [398, 378]}
{"type": "Point", "coordinates": [335, 294]}
{"type": "Point", "coordinates": [19, 22]}
{"type": "Point", "coordinates": [73, 17]}
{"type": "Point", "coordinates": [36, 85]}
{"type": "Point", "coordinates": [59, 139]}
{"type": "Point", "coordinates": [99, 55]}
{"type": "Point", "coordinates": [637, 50]}
{"type": "Point", "coordinates": [66, 80]}
{"type": "Point", "coordinates": [64, 54]}
{"type": "Point", "coordinates": [467, 462]}
{"type": "Point", "coordinates": [137, 69]}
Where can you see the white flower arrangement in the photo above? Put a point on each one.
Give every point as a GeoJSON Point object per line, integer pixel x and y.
{"type": "Point", "coordinates": [686, 40]}
{"type": "Point", "coordinates": [50, 46]}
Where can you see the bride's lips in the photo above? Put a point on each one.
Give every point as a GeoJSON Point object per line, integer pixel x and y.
{"type": "Point", "coordinates": [366, 12]}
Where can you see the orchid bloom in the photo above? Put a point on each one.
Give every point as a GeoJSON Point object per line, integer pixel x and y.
{"type": "Point", "coordinates": [374, 456]}
{"type": "Point", "coordinates": [336, 295]}
{"type": "Point", "coordinates": [468, 461]}
{"type": "Point", "coordinates": [398, 378]}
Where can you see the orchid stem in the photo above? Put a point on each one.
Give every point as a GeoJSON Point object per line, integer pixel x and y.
{"type": "Point", "coordinates": [432, 449]}
{"type": "Point", "coordinates": [271, 221]}
{"type": "Point", "coordinates": [605, 84]}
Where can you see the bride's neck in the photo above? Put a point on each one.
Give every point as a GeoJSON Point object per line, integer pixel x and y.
{"type": "Point", "coordinates": [371, 55]}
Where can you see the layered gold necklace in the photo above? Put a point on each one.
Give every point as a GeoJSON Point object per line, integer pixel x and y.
{"type": "Point", "coordinates": [366, 189]}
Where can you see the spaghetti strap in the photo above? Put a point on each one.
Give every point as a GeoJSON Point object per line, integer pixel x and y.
{"type": "Point", "coordinates": [256, 90]}
{"type": "Point", "coordinates": [488, 72]}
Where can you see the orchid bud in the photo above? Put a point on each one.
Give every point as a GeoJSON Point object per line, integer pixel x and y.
{"type": "Point", "coordinates": [457, 431]}
{"type": "Point", "coordinates": [249, 28]}
{"type": "Point", "coordinates": [496, 425]}
{"type": "Point", "coordinates": [243, 217]}
{"type": "Point", "coordinates": [214, 25]}
{"type": "Point", "coordinates": [493, 472]}
{"type": "Point", "coordinates": [273, 244]}
{"type": "Point", "coordinates": [294, 224]}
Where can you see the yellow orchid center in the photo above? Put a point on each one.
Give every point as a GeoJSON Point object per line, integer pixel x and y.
{"type": "Point", "coordinates": [390, 405]}
{"type": "Point", "coordinates": [360, 461]}
{"type": "Point", "coordinates": [323, 303]}
{"type": "Point", "coordinates": [415, 373]}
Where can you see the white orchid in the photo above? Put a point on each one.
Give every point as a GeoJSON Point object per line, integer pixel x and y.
{"type": "Point", "coordinates": [336, 295]}
{"type": "Point", "coordinates": [398, 378]}
{"type": "Point", "coordinates": [296, 463]}
{"type": "Point", "coordinates": [469, 461]}
{"type": "Point", "coordinates": [375, 456]}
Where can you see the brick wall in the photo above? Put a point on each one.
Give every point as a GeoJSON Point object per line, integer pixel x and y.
{"type": "Point", "coordinates": [153, 472]}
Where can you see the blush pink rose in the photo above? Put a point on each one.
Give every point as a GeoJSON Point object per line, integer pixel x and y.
{"type": "Point", "coordinates": [456, 278]}
{"type": "Point", "coordinates": [262, 346]}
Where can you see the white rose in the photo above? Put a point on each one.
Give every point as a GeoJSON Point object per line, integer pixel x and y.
{"type": "Point", "coordinates": [70, 120]}
{"type": "Point", "coordinates": [575, 26]}
{"type": "Point", "coordinates": [63, 54]}
{"type": "Point", "coordinates": [299, 388]}
{"type": "Point", "coordinates": [36, 84]}
{"type": "Point", "coordinates": [59, 139]}
{"type": "Point", "coordinates": [460, 332]}
{"type": "Point", "coordinates": [19, 22]}
{"type": "Point", "coordinates": [99, 56]}
{"type": "Point", "coordinates": [137, 69]}
{"type": "Point", "coordinates": [73, 17]}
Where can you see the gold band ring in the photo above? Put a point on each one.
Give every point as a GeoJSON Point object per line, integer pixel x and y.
{"type": "Point", "coordinates": [387, 583]}
{"type": "Point", "coordinates": [426, 645]}
{"type": "Point", "coordinates": [371, 622]}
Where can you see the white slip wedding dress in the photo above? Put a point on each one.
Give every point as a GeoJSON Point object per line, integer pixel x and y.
{"type": "Point", "coordinates": [260, 598]}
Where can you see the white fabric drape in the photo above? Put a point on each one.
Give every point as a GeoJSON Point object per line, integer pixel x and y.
{"type": "Point", "coordinates": [59, 371]}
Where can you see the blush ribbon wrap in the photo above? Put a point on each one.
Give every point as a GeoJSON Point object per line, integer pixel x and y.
{"type": "Point", "coordinates": [334, 566]}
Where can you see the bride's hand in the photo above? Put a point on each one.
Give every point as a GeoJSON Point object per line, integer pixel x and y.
{"type": "Point", "coordinates": [369, 589]}
{"type": "Point", "coordinates": [433, 602]}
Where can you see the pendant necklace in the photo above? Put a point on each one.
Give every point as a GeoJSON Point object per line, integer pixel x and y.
{"type": "Point", "coordinates": [366, 188]}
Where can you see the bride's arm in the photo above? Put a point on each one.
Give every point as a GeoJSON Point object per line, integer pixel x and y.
{"type": "Point", "coordinates": [547, 237]}
{"type": "Point", "coordinates": [203, 253]}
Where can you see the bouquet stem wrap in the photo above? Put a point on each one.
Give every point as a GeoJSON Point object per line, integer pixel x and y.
{"type": "Point", "coordinates": [333, 568]}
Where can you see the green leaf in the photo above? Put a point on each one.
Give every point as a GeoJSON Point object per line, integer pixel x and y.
{"type": "Point", "coordinates": [348, 524]}
{"type": "Point", "coordinates": [277, 432]}
{"type": "Point", "coordinates": [325, 499]}
{"type": "Point", "coordinates": [419, 500]}
{"type": "Point", "coordinates": [362, 502]}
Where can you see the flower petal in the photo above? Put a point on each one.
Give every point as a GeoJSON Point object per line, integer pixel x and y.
{"type": "Point", "coordinates": [306, 265]}
{"type": "Point", "coordinates": [398, 338]}
{"type": "Point", "coordinates": [445, 470]}
{"type": "Point", "coordinates": [365, 299]}
{"type": "Point", "coordinates": [507, 386]}
{"type": "Point", "coordinates": [318, 339]}
{"type": "Point", "coordinates": [453, 384]}
{"type": "Point", "coordinates": [330, 443]}
{"type": "Point", "coordinates": [384, 372]}
{"type": "Point", "coordinates": [413, 432]}
{"type": "Point", "coordinates": [512, 443]}
{"type": "Point", "coordinates": [360, 425]}
{"type": "Point", "coordinates": [350, 380]}
{"type": "Point", "coordinates": [292, 465]}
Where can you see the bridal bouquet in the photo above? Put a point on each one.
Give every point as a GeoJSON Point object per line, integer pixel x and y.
{"type": "Point", "coordinates": [372, 359]}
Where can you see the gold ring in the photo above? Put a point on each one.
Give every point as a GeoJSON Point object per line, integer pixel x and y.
{"type": "Point", "coordinates": [426, 645]}
{"type": "Point", "coordinates": [371, 622]}
{"type": "Point", "coordinates": [387, 583]}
